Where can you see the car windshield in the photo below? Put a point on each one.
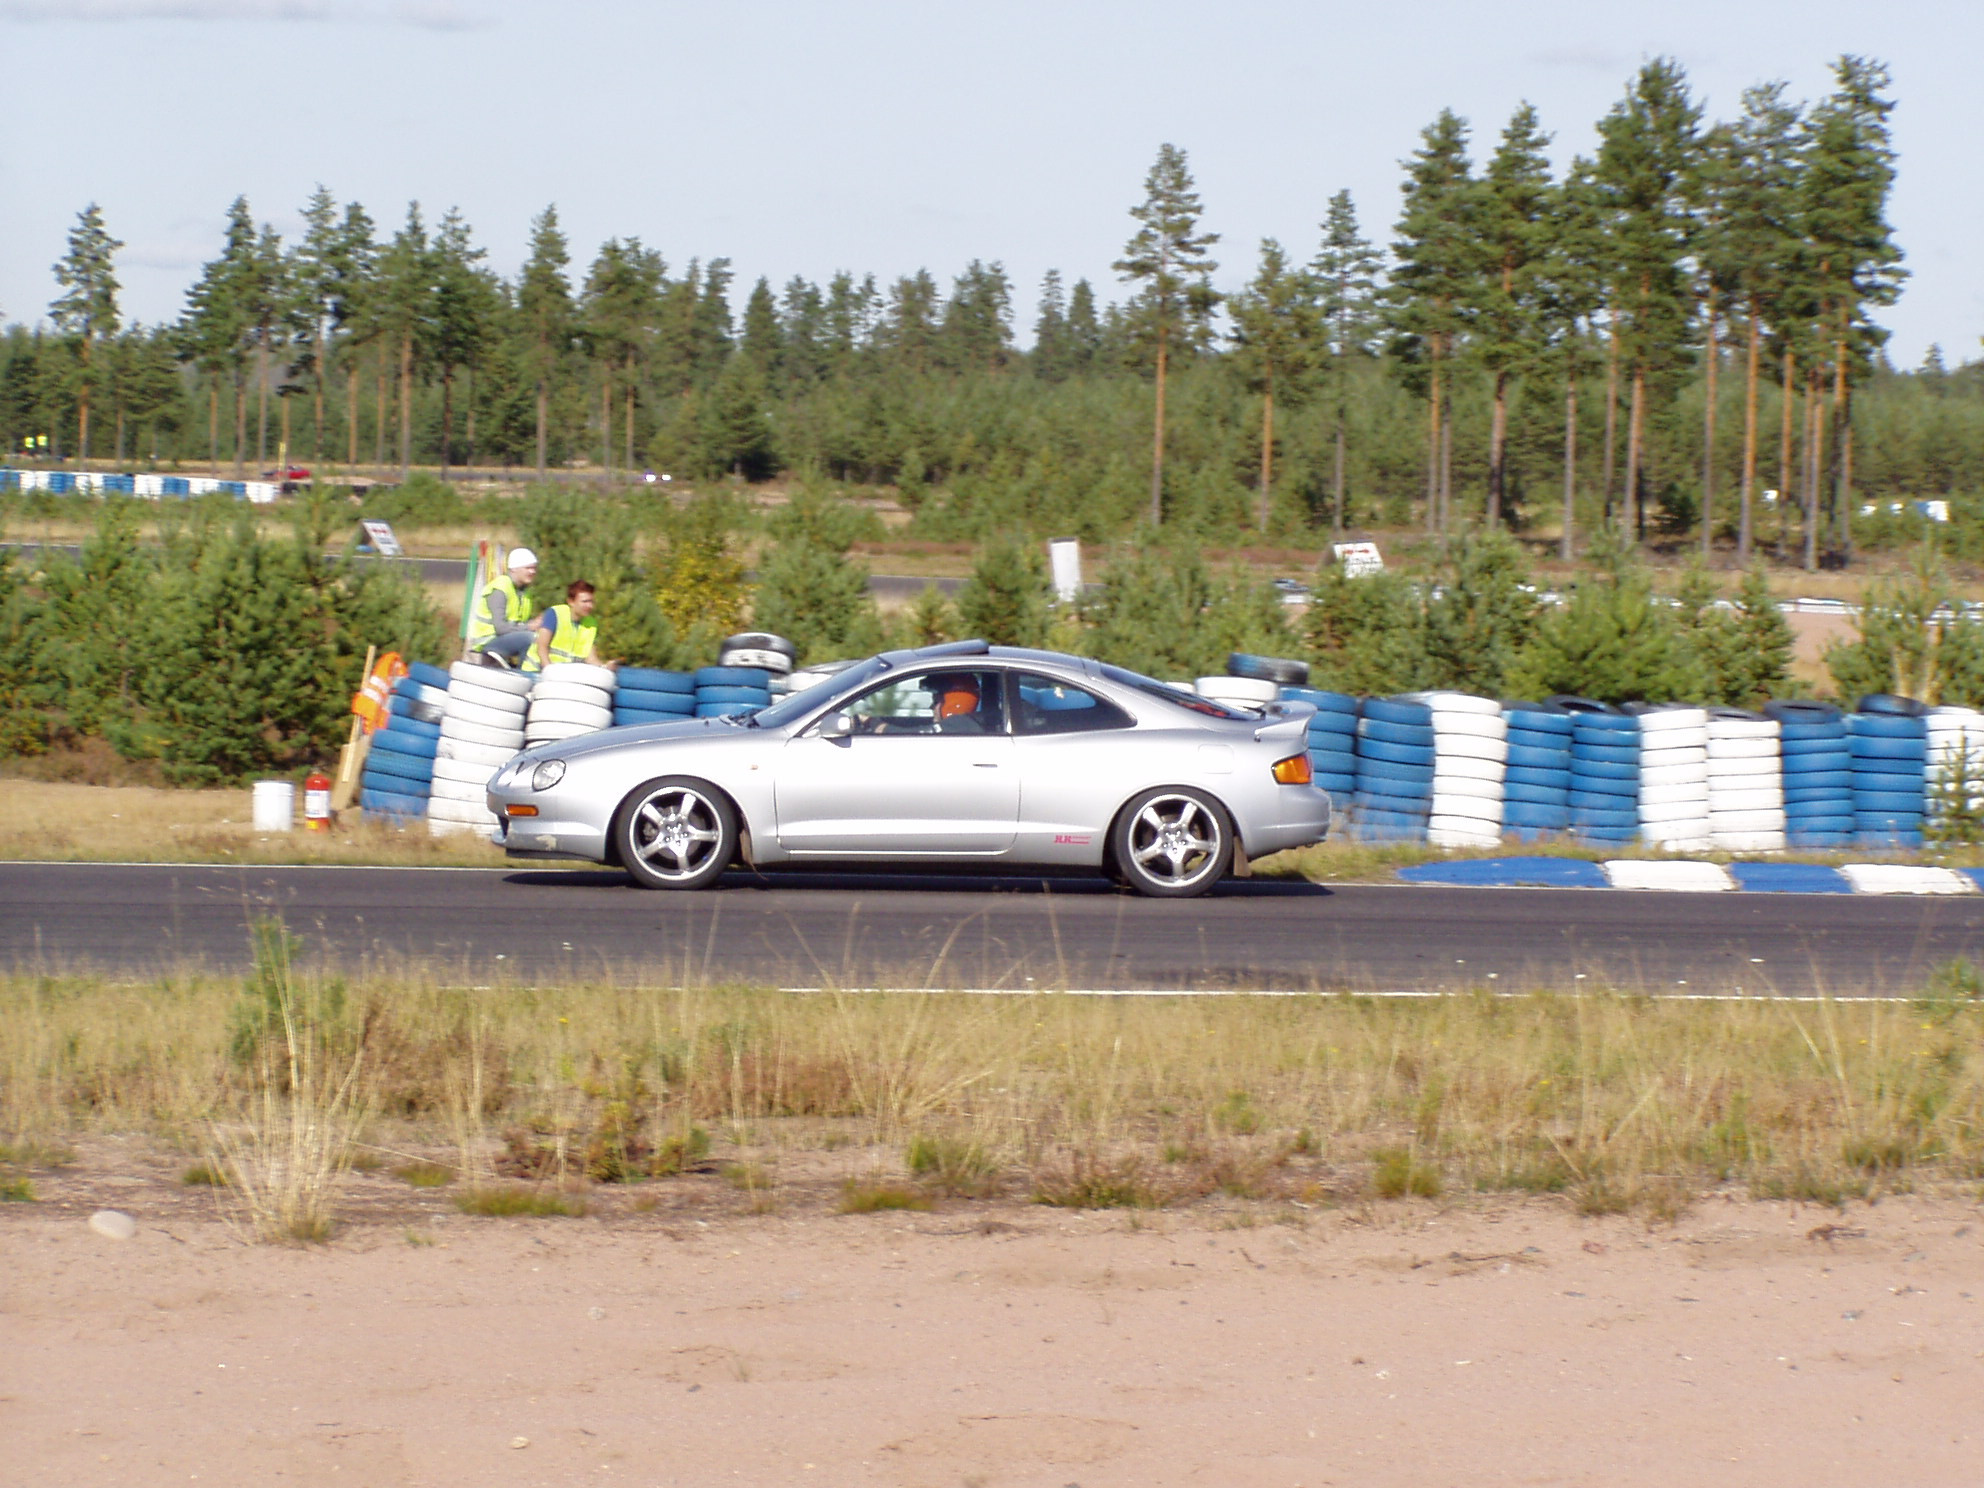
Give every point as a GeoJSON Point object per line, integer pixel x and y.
{"type": "Point", "coordinates": [1170, 694]}
{"type": "Point", "coordinates": [796, 706]}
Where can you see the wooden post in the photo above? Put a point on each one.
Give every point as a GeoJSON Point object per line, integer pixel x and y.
{"type": "Point", "coordinates": [351, 759]}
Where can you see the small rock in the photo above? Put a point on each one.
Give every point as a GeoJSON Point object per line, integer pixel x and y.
{"type": "Point", "coordinates": [595, 1313]}
{"type": "Point", "coordinates": [518, 1442]}
{"type": "Point", "coordinates": [114, 1224]}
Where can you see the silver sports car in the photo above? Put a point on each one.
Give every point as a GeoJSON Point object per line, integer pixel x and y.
{"type": "Point", "coordinates": [956, 753]}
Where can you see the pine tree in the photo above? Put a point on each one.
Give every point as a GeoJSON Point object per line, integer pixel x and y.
{"type": "Point", "coordinates": [1275, 331]}
{"type": "Point", "coordinates": [763, 345]}
{"type": "Point", "coordinates": [1436, 259]}
{"type": "Point", "coordinates": [1084, 330]}
{"type": "Point", "coordinates": [619, 313]}
{"type": "Point", "coordinates": [1479, 614]}
{"type": "Point", "coordinates": [313, 283]}
{"type": "Point", "coordinates": [1611, 640]}
{"type": "Point", "coordinates": [1849, 172]}
{"type": "Point", "coordinates": [86, 311]}
{"type": "Point", "coordinates": [811, 593]}
{"type": "Point", "coordinates": [1513, 219]}
{"type": "Point", "coordinates": [1050, 358]}
{"type": "Point", "coordinates": [1572, 276]}
{"type": "Point", "coordinates": [976, 332]}
{"type": "Point", "coordinates": [216, 329]}
{"type": "Point", "coordinates": [1167, 257]}
{"type": "Point", "coordinates": [403, 312]}
{"type": "Point", "coordinates": [1367, 635]}
{"type": "Point", "coordinates": [544, 305]}
{"type": "Point", "coordinates": [465, 310]}
{"type": "Point", "coordinates": [1346, 271]}
{"type": "Point", "coordinates": [907, 331]}
{"type": "Point", "coordinates": [1646, 156]}
{"type": "Point", "coordinates": [1005, 600]}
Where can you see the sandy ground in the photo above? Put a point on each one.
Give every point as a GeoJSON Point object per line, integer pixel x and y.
{"type": "Point", "coordinates": [1003, 1346]}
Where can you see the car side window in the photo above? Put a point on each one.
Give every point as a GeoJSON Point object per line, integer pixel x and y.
{"type": "Point", "coordinates": [944, 702]}
{"type": "Point", "coordinates": [1047, 705]}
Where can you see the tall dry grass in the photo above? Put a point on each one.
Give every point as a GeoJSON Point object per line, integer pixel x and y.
{"type": "Point", "coordinates": [1618, 1102]}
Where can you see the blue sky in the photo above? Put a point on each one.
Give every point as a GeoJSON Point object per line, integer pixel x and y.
{"type": "Point", "coordinates": [886, 136]}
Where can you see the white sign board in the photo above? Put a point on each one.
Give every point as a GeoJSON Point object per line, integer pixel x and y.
{"type": "Point", "coordinates": [1064, 557]}
{"type": "Point", "coordinates": [1359, 559]}
{"type": "Point", "coordinates": [380, 536]}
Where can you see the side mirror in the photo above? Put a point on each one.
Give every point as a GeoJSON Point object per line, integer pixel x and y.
{"type": "Point", "coordinates": [837, 726]}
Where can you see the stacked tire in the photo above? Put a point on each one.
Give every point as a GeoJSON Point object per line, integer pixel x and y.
{"type": "Point", "coordinates": [1955, 777]}
{"type": "Point", "coordinates": [1605, 771]}
{"type": "Point", "coordinates": [1674, 804]}
{"type": "Point", "coordinates": [570, 698]}
{"type": "Point", "coordinates": [1332, 741]}
{"type": "Point", "coordinates": [1395, 755]}
{"type": "Point", "coordinates": [399, 763]}
{"type": "Point", "coordinates": [649, 695]}
{"type": "Point", "coordinates": [482, 726]}
{"type": "Point", "coordinates": [758, 650]}
{"type": "Point", "coordinates": [725, 691]}
{"type": "Point", "coordinates": [1745, 781]}
{"type": "Point", "coordinates": [1244, 692]}
{"type": "Point", "coordinates": [1889, 742]}
{"type": "Point", "coordinates": [1536, 784]}
{"type": "Point", "coordinates": [1470, 756]}
{"type": "Point", "coordinates": [1817, 760]}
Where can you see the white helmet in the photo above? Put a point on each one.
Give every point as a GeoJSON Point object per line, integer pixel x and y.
{"type": "Point", "coordinates": [522, 558]}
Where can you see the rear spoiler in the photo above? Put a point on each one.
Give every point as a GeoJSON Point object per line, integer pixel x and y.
{"type": "Point", "coordinates": [1285, 719]}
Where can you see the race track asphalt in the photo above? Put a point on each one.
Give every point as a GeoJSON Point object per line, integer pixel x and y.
{"type": "Point", "coordinates": [815, 929]}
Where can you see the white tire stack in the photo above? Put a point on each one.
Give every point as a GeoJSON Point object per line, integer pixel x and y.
{"type": "Point", "coordinates": [1956, 746]}
{"type": "Point", "coordinates": [1674, 810]}
{"type": "Point", "coordinates": [760, 649]}
{"type": "Point", "coordinates": [1745, 783]}
{"type": "Point", "coordinates": [1245, 692]}
{"type": "Point", "coordinates": [571, 698]}
{"type": "Point", "coordinates": [482, 725]}
{"type": "Point", "coordinates": [1470, 759]}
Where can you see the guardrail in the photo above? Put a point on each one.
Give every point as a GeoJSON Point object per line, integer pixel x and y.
{"type": "Point", "coordinates": [153, 487]}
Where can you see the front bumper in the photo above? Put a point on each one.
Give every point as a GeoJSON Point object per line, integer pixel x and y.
{"type": "Point", "coordinates": [558, 830]}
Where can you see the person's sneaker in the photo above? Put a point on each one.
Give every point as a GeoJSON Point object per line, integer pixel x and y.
{"type": "Point", "coordinates": [491, 659]}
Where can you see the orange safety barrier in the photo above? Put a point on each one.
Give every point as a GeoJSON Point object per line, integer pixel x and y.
{"type": "Point", "coordinates": [369, 702]}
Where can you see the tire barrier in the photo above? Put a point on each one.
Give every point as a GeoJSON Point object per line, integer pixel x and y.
{"type": "Point", "coordinates": [1332, 741]}
{"type": "Point", "coordinates": [1470, 758]}
{"type": "Point", "coordinates": [1817, 769]}
{"type": "Point", "coordinates": [1605, 771]}
{"type": "Point", "coordinates": [1745, 781]}
{"type": "Point", "coordinates": [1674, 776]}
{"type": "Point", "coordinates": [1393, 800]}
{"type": "Point", "coordinates": [399, 763]}
{"type": "Point", "coordinates": [1537, 802]}
{"type": "Point", "coordinates": [571, 697]}
{"type": "Point", "coordinates": [759, 650]}
{"type": "Point", "coordinates": [487, 710]}
{"type": "Point", "coordinates": [1888, 747]}
{"type": "Point", "coordinates": [724, 691]}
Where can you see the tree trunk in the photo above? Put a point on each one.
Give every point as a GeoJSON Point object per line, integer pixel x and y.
{"type": "Point", "coordinates": [117, 457]}
{"type": "Point", "coordinates": [1632, 518]}
{"type": "Point", "coordinates": [1157, 437]}
{"type": "Point", "coordinates": [447, 417]}
{"type": "Point", "coordinates": [1337, 524]}
{"type": "Point", "coordinates": [1611, 416]}
{"type": "Point", "coordinates": [1566, 544]}
{"type": "Point", "coordinates": [471, 415]}
{"type": "Point", "coordinates": [240, 423]}
{"type": "Point", "coordinates": [1842, 457]}
{"type": "Point", "coordinates": [351, 416]}
{"type": "Point", "coordinates": [1433, 446]}
{"type": "Point", "coordinates": [1498, 447]}
{"type": "Point", "coordinates": [627, 433]}
{"type": "Point", "coordinates": [1811, 473]}
{"type": "Point", "coordinates": [543, 409]}
{"type": "Point", "coordinates": [1446, 467]}
{"type": "Point", "coordinates": [262, 402]}
{"type": "Point", "coordinates": [1708, 434]}
{"type": "Point", "coordinates": [1789, 401]}
{"type": "Point", "coordinates": [406, 405]}
{"type": "Point", "coordinates": [380, 412]}
{"type": "Point", "coordinates": [323, 365]}
{"type": "Point", "coordinates": [83, 426]}
{"type": "Point", "coordinates": [1744, 517]}
{"type": "Point", "coordinates": [1267, 449]}
{"type": "Point", "coordinates": [282, 428]}
{"type": "Point", "coordinates": [606, 426]}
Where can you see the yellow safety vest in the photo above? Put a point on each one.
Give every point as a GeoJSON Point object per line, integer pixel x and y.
{"type": "Point", "coordinates": [571, 639]}
{"type": "Point", "coordinates": [515, 607]}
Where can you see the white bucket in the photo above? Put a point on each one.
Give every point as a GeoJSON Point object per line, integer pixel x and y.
{"type": "Point", "coordinates": [275, 805]}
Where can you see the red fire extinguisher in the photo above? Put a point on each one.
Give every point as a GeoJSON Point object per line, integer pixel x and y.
{"type": "Point", "coordinates": [317, 802]}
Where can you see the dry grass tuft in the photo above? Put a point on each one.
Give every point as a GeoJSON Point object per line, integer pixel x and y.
{"type": "Point", "coordinates": [511, 1201]}
{"type": "Point", "coordinates": [858, 1197]}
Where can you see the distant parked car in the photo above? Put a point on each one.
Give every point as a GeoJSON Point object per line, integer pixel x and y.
{"type": "Point", "coordinates": [289, 473]}
{"type": "Point", "coordinates": [935, 756]}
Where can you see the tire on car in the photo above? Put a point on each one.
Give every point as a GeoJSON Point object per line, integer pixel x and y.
{"type": "Point", "coordinates": [1174, 842]}
{"type": "Point", "coordinates": [675, 832]}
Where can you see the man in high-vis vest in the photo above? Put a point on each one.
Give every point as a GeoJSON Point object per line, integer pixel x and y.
{"type": "Point", "coordinates": [501, 630]}
{"type": "Point", "coordinates": [567, 632]}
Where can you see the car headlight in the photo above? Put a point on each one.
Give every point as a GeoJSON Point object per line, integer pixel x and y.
{"type": "Point", "coordinates": [547, 774]}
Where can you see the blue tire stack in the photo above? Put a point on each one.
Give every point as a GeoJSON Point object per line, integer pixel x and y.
{"type": "Point", "coordinates": [1537, 802]}
{"type": "Point", "coordinates": [647, 695]}
{"type": "Point", "coordinates": [399, 766]}
{"type": "Point", "coordinates": [1605, 771]}
{"type": "Point", "coordinates": [723, 691]}
{"type": "Point", "coordinates": [1394, 770]}
{"type": "Point", "coordinates": [1889, 743]}
{"type": "Point", "coordinates": [1818, 774]}
{"type": "Point", "coordinates": [1332, 741]}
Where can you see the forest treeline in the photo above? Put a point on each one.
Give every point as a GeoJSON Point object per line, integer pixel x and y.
{"type": "Point", "coordinates": [1674, 338]}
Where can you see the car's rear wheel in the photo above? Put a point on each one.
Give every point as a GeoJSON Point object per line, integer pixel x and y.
{"type": "Point", "coordinates": [1172, 843]}
{"type": "Point", "coordinates": [675, 833]}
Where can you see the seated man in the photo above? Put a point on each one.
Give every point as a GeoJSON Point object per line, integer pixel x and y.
{"type": "Point", "coordinates": [501, 630]}
{"type": "Point", "coordinates": [567, 632]}
{"type": "Point", "coordinates": [960, 705]}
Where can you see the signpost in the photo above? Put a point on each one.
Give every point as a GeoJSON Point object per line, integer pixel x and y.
{"type": "Point", "coordinates": [1359, 559]}
{"type": "Point", "coordinates": [380, 536]}
{"type": "Point", "coordinates": [1064, 557]}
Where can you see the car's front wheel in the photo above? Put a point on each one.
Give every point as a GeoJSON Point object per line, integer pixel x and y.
{"type": "Point", "coordinates": [675, 833]}
{"type": "Point", "coordinates": [1172, 843]}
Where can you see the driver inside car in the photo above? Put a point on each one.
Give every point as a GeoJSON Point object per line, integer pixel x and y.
{"type": "Point", "coordinates": [958, 703]}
